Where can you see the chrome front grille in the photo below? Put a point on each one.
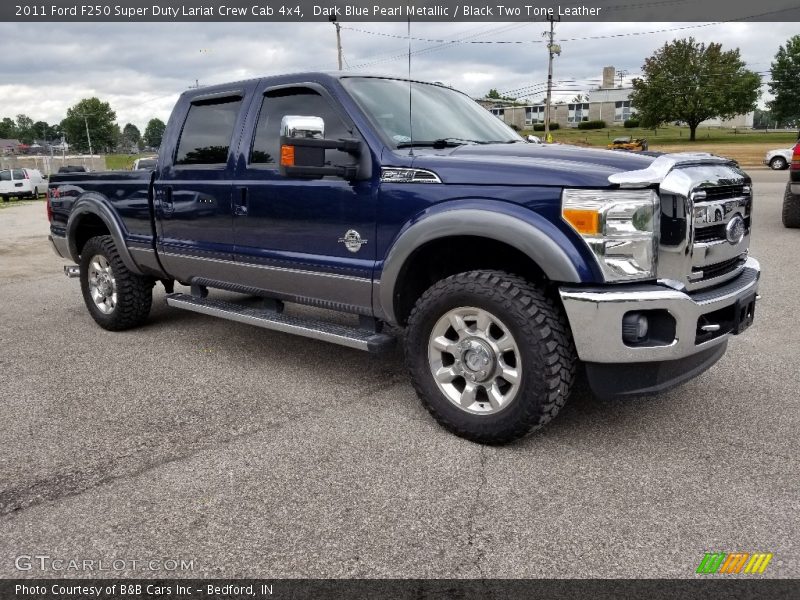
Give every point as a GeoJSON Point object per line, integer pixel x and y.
{"type": "Point", "coordinates": [721, 215]}
{"type": "Point", "coordinates": [718, 269]}
{"type": "Point", "coordinates": [705, 225]}
{"type": "Point", "coordinates": [723, 192]}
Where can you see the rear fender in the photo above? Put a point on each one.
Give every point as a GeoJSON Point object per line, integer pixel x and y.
{"type": "Point", "coordinates": [98, 206]}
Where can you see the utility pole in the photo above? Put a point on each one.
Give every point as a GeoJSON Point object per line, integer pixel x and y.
{"type": "Point", "coordinates": [621, 74]}
{"type": "Point", "coordinates": [88, 137]}
{"type": "Point", "coordinates": [551, 50]}
{"type": "Point", "coordinates": [338, 27]}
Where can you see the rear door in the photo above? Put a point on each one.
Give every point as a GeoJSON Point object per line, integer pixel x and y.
{"type": "Point", "coordinates": [291, 233]}
{"type": "Point", "coordinates": [192, 191]}
{"type": "Point", "coordinates": [18, 182]}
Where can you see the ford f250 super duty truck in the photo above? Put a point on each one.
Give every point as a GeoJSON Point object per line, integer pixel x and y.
{"type": "Point", "coordinates": [509, 265]}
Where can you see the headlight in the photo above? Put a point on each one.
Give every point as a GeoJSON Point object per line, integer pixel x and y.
{"type": "Point", "coordinates": [619, 226]}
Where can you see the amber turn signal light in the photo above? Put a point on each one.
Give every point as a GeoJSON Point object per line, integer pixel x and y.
{"type": "Point", "coordinates": [584, 221]}
{"type": "Point", "coordinates": [287, 156]}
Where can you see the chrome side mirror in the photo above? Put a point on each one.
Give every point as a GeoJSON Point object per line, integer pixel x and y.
{"type": "Point", "coordinates": [303, 147]}
{"type": "Point", "coordinates": [296, 126]}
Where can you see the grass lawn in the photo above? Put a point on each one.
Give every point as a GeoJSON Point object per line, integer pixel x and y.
{"type": "Point", "coordinates": [121, 162]}
{"type": "Point", "coordinates": [745, 146]}
{"type": "Point", "coordinates": [17, 202]}
{"type": "Point", "coordinates": [673, 135]}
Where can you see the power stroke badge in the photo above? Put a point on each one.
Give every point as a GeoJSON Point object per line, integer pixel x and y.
{"type": "Point", "coordinates": [352, 240]}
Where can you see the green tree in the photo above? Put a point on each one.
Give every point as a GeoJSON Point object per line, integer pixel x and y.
{"type": "Point", "coordinates": [42, 131]}
{"type": "Point", "coordinates": [131, 136]}
{"type": "Point", "coordinates": [495, 95]}
{"type": "Point", "coordinates": [100, 120]}
{"type": "Point", "coordinates": [8, 128]}
{"type": "Point", "coordinates": [688, 81]}
{"type": "Point", "coordinates": [25, 131]}
{"type": "Point", "coordinates": [785, 84]}
{"type": "Point", "coordinates": [154, 132]}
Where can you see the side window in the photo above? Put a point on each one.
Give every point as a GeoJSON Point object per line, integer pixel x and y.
{"type": "Point", "coordinates": [18, 174]}
{"type": "Point", "coordinates": [207, 132]}
{"type": "Point", "coordinates": [295, 101]}
{"type": "Point", "coordinates": [5, 175]}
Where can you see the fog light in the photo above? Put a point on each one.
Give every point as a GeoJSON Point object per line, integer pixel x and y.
{"type": "Point", "coordinates": [634, 327]}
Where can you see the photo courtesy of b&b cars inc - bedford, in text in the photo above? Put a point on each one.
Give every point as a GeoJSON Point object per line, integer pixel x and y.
{"type": "Point", "coordinates": [403, 300]}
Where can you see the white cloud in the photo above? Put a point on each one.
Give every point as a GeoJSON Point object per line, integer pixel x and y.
{"type": "Point", "coordinates": [141, 68]}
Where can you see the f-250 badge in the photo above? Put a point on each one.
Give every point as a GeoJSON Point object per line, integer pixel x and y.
{"type": "Point", "coordinates": [352, 240]}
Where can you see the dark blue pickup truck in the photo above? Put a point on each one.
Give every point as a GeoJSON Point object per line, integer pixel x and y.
{"type": "Point", "coordinates": [508, 265]}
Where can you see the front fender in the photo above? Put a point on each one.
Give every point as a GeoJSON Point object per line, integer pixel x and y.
{"type": "Point", "coordinates": [532, 234]}
{"type": "Point", "coordinates": [97, 205]}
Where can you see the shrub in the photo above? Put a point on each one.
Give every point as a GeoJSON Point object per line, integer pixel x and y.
{"type": "Point", "coordinates": [631, 123]}
{"type": "Point", "coordinates": [591, 125]}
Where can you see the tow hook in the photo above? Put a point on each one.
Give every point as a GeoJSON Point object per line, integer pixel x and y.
{"type": "Point", "coordinates": [72, 271]}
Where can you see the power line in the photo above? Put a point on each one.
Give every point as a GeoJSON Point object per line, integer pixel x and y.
{"type": "Point", "coordinates": [440, 46]}
{"type": "Point", "coordinates": [575, 39]}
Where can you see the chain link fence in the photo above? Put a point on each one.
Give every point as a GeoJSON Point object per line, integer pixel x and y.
{"type": "Point", "coordinates": [51, 164]}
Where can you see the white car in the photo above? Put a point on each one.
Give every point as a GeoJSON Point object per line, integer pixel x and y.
{"type": "Point", "coordinates": [778, 159]}
{"type": "Point", "coordinates": [145, 164]}
{"type": "Point", "coordinates": [22, 183]}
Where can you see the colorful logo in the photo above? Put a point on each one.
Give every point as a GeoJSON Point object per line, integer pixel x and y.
{"type": "Point", "coordinates": [734, 562]}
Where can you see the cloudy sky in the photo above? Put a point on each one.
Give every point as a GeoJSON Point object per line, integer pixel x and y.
{"type": "Point", "coordinates": [140, 68]}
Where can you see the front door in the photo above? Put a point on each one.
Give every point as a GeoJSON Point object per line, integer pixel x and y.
{"type": "Point", "coordinates": [309, 240]}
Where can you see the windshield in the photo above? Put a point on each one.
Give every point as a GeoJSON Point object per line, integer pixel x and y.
{"type": "Point", "coordinates": [440, 116]}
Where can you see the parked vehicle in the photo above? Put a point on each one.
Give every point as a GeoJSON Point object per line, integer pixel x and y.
{"type": "Point", "coordinates": [509, 265]}
{"type": "Point", "coordinates": [628, 143]}
{"type": "Point", "coordinates": [22, 183]}
{"type": "Point", "coordinates": [791, 198]}
{"type": "Point", "coordinates": [148, 164]}
{"type": "Point", "coordinates": [533, 139]}
{"type": "Point", "coordinates": [778, 159]}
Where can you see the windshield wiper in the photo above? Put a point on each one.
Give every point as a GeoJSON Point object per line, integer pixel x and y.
{"type": "Point", "coordinates": [450, 142]}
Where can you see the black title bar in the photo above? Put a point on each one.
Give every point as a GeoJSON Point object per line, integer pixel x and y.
{"type": "Point", "coordinates": [731, 588]}
{"type": "Point", "coordinates": [397, 10]}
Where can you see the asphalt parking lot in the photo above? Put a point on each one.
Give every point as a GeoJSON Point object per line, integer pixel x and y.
{"type": "Point", "coordinates": [258, 454]}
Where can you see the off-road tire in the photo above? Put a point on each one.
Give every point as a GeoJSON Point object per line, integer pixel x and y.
{"type": "Point", "coordinates": [791, 208]}
{"type": "Point", "coordinates": [540, 329]}
{"type": "Point", "coordinates": [134, 292]}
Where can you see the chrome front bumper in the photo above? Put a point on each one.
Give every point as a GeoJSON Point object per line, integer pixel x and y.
{"type": "Point", "coordinates": [595, 317]}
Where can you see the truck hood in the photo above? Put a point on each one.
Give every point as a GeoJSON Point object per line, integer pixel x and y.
{"type": "Point", "coordinates": [528, 164]}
